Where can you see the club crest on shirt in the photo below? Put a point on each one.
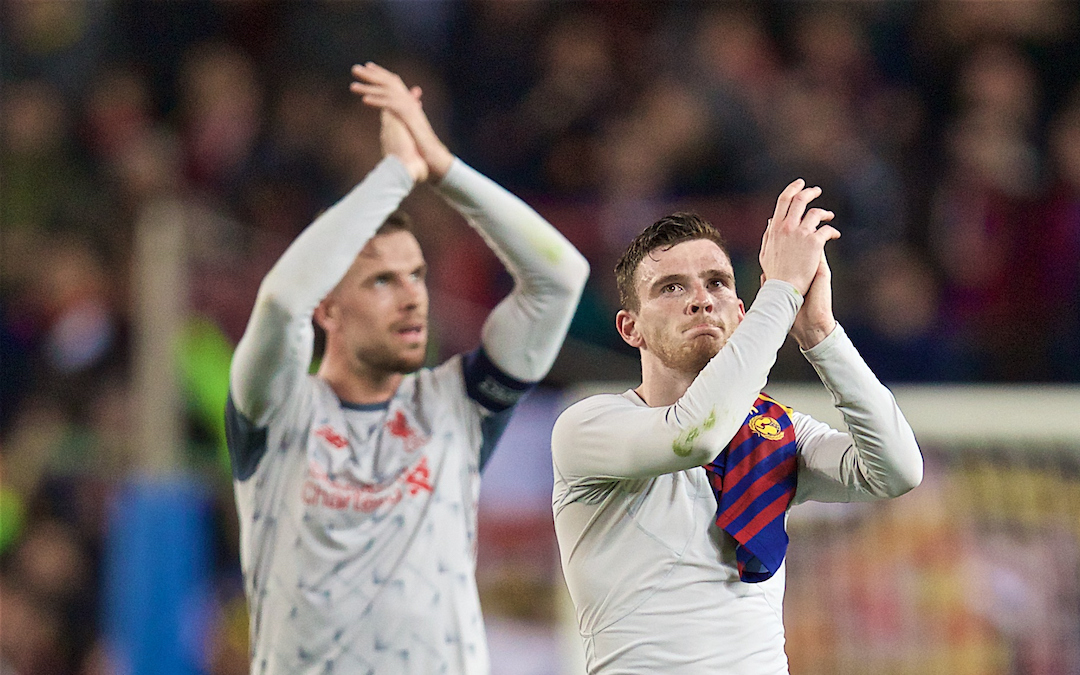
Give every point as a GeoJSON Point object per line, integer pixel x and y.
{"type": "Point", "coordinates": [398, 426]}
{"type": "Point", "coordinates": [766, 427]}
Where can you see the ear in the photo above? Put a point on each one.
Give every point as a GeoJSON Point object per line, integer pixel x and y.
{"type": "Point", "coordinates": [325, 313]}
{"type": "Point", "coordinates": [626, 324]}
{"type": "Point", "coordinates": [742, 310]}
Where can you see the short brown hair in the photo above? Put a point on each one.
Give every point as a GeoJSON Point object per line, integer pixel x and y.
{"type": "Point", "coordinates": [398, 221]}
{"type": "Point", "coordinates": [664, 233]}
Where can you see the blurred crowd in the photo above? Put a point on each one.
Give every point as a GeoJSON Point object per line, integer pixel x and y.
{"type": "Point", "coordinates": [945, 136]}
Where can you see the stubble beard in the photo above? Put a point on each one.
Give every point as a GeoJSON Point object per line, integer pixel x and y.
{"type": "Point", "coordinates": [688, 358]}
{"type": "Point", "coordinates": [393, 362]}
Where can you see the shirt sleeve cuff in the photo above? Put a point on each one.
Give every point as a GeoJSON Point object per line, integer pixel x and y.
{"type": "Point", "coordinates": [454, 177]}
{"type": "Point", "coordinates": [394, 165]}
{"type": "Point", "coordinates": [785, 288]}
{"type": "Point", "coordinates": [827, 346]}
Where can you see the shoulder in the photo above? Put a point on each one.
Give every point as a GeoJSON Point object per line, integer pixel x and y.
{"type": "Point", "coordinates": [434, 388]}
{"type": "Point", "coordinates": [247, 442]}
{"type": "Point", "coordinates": [595, 404]}
{"type": "Point", "coordinates": [589, 411]}
{"type": "Point", "coordinates": [467, 380]}
{"type": "Point", "coordinates": [446, 374]}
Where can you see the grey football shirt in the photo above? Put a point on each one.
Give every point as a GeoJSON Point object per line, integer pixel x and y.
{"type": "Point", "coordinates": [359, 535]}
{"type": "Point", "coordinates": [358, 523]}
{"type": "Point", "coordinates": [653, 579]}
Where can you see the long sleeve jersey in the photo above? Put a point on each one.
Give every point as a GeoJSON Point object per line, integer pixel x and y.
{"type": "Point", "coordinates": [358, 522]}
{"type": "Point", "coordinates": [653, 579]}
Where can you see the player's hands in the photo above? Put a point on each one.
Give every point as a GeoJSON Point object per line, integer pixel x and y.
{"type": "Point", "coordinates": [396, 140]}
{"type": "Point", "coordinates": [383, 89]}
{"type": "Point", "coordinates": [815, 319]}
{"type": "Point", "coordinates": [794, 240]}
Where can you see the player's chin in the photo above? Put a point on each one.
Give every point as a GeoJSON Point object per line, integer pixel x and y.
{"type": "Point", "coordinates": [412, 359]}
{"type": "Point", "coordinates": [701, 351]}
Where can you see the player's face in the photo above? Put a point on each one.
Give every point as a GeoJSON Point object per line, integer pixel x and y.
{"type": "Point", "coordinates": [379, 311]}
{"type": "Point", "coordinates": [688, 305]}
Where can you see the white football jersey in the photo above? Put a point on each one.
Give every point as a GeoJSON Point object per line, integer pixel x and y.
{"type": "Point", "coordinates": [358, 523]}
{"type": "Point", "coordinates": [653, 579]}
{"type": "Point", "coordinates": [358, 537]}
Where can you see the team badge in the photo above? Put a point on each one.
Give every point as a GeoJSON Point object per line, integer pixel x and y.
{"type": "Point", "coordinates": [766, 427]}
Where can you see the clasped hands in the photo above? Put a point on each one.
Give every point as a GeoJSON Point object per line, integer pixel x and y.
{"type": "Point", "coordinates": [793, 250]}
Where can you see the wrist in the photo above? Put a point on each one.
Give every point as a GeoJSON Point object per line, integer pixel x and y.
{"type": "Point", "coordinates": [438, 160]}
{"type": "Point", "coordinates": [434, 152]}
{"type": "Point", "coordinates": [811, 336]}
{"type": "Point", "coordinates": [416, 167]}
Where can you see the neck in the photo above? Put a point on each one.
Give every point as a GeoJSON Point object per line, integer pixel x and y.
{"type": "Point", "coordinates": [361, 385]}
{"type": "Point", "coordinates": [661, 385]}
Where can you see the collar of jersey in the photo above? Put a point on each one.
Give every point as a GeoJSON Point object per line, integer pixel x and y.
{"type": "Point", "coordinates": [365, 406]}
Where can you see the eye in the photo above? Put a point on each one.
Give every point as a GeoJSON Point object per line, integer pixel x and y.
{"type": "Point", "coordinates": [670, 288]}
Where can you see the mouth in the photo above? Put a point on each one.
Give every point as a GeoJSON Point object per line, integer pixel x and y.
{"type": "Point", "coordinates": [411, 332]}
{"type": "Point", "coordinates": [709, 329]}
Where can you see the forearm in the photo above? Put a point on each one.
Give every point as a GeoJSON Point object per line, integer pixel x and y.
{"type": "Point", "coordinates": [276, 346]}
{"type": "Point", "coordinates": [524, 333]}
{"type": "Point", "coordinates": [321, 255]}
{"type": "Point", "coordinates": [882, 458]}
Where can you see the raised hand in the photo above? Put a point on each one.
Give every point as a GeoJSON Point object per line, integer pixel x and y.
{"type": "Point", "coordinates": [794, 240]}
{"type": "Point", "coordinates": [383, 89]}
{"type": "Point", "coordinates": [815, 319]}
{"type": "Point", "coordinates": [396, 140]}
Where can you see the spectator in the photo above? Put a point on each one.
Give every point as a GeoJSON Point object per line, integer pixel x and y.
{"type": "Point", "coordinates": [899, 330]}
{"type": "Point", "coordinates": [1058, 299]}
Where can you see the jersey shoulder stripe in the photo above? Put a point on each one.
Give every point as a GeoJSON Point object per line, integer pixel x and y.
{"type": "Point", "coordinates": [488, 385]}
{"type": "Point", "coordinates": [246, 442]}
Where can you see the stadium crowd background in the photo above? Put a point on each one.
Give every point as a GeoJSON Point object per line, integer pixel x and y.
{"type": "Point", "coordinates": [945, 135]}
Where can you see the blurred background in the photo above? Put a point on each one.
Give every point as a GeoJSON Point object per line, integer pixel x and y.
{"type": "Point", "coordinates": [157, 156]}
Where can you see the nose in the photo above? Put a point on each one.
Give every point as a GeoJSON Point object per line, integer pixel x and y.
{"type": "Point", "coordinates": [700, 301]}
{"type": "Point", "coordinates": [413, 294]}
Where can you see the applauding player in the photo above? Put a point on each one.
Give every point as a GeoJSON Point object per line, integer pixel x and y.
{"type": "Point", "coordinates": [357, 487]}
{"type": "Point", "coordinates": [670, 499]}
